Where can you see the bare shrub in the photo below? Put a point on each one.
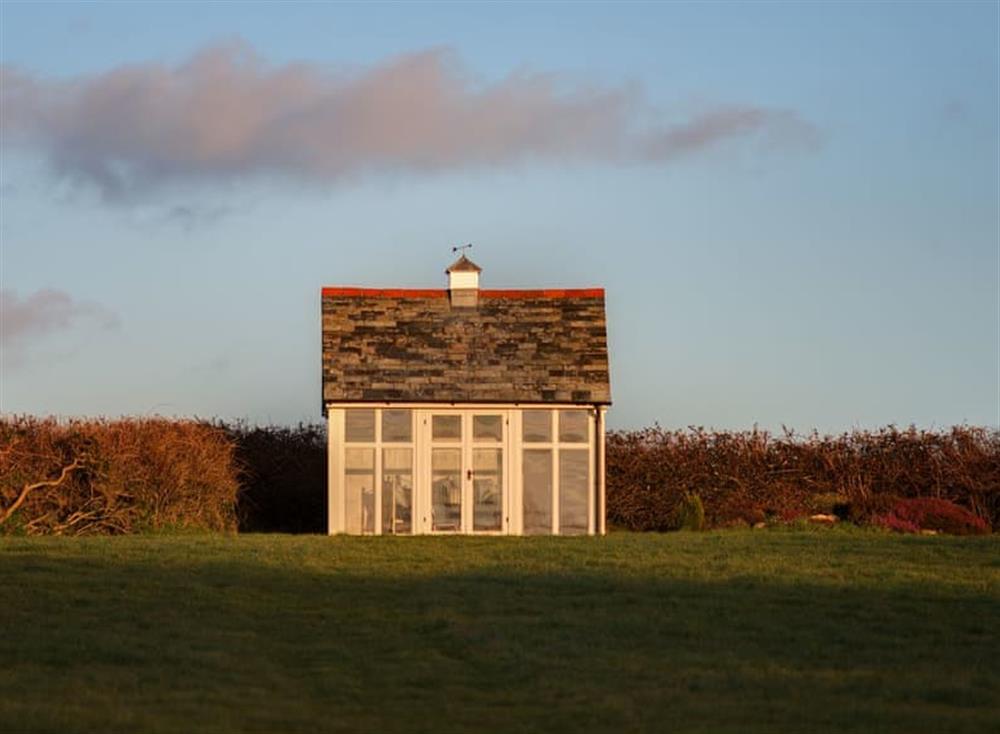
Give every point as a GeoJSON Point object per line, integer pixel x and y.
{"type": "Point", "coordinates": [114, 476]}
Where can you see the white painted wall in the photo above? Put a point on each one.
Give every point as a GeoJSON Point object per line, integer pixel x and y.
{"type": "Point", "coordinates": [463, 279]}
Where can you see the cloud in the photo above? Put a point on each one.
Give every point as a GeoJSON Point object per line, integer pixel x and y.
{"type": "Point", "coordinates": [190, 217]}
{"type": "Point", "coordinates": [226, 114]}
{"type": "Point", "coordinates": [45, 312]}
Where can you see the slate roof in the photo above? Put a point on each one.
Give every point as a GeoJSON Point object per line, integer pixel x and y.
{"type": "Point", "coordinates": [523, 346]}
{"type": "Point", "coordinates": [463, 264]}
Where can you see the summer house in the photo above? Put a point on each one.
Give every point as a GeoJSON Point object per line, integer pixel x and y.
{"type": "Point", "coordinates": [464, 410]}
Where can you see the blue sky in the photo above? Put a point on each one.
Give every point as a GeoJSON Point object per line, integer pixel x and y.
{"type": "Point", "coordinates": [793, 207]}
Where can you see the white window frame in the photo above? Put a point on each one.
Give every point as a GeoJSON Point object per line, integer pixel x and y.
{"type": "Point", "coordinates": [512, 445]}
{"type": "Point", "coordinates": [467, 445]}
{"type": "Point", "coordinates": [337, 449]}
{"type": "Point", "coordinates": [555, 446]}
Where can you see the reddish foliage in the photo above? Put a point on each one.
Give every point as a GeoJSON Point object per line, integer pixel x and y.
{"type": "Point", "coordinates": [895, 523]}
{"type": "Point", "coordinates": [750, 476]}
{"type": "Point", "coordinates": [932, 513]}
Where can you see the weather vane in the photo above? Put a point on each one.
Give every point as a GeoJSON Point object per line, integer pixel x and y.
{"type": "Point", "coordinates": [461, 248]}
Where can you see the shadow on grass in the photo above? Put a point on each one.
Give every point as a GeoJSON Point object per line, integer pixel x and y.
{"type": "Point", "coordinates": [195, 644]}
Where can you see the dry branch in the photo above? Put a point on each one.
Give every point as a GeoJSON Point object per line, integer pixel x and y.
{"type": "Point", "coordinates": [29, 488]}
{"type": "Point", "coordinates": [141, 474]}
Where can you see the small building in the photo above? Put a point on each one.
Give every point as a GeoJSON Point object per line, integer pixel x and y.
{"type": "Point", "coordinates": [464, 410]}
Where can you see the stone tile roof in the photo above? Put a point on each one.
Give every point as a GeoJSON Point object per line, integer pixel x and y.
{"type": "Point", "coordinates": [463, 264]}
{"type": "Point", "coordinates": [528, 346]}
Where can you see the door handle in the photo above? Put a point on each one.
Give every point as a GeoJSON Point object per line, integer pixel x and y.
{"type": "Point", "coordinates": [468, 474]}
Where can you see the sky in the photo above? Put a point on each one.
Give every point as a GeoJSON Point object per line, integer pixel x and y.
{"type": "Point", "coordinates": [792, 207]}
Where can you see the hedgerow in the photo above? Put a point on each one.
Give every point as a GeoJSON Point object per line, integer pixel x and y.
{"type": "Point", "coordinates": [130, 475]}
{"type": "Point", "coordinates": [282, 475]}
{"type": "Point", "coordinates": [115, 476]}
{"type": "Point", "coordinates": [754, 476]}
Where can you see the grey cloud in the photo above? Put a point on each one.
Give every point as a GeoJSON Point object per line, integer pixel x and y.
{"type": "Point", "coordinates": [44, 312]}
{"type": "Point", "coordinates": [190, 217]}
{"type": "Point", "coordinates": [226, 114]}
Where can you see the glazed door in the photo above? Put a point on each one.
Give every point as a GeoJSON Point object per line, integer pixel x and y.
{"type": "Point", "coordinates": [468, 484]}
{"type": "Point", "coordinates": [447, 495]}
{"type": "Point", "coordinates": [485, 455]}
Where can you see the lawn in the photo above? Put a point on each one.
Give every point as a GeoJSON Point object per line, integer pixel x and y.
{"type": "Point", "coordinates": [763, 631]}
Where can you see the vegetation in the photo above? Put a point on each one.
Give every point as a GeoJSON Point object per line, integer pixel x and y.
{"type": "Point", "coordinates": [748, 477]}
{"type": "Point", "coordinates": [85, 477]}
{"type": "Point", "coordinates": [828, 630]}
{"type": "Point", "coordinates": [928, 513]}
{"type": "Point", "coordinates": [282, 475]}
{"type": "Point", "coordinates": [689, 513]}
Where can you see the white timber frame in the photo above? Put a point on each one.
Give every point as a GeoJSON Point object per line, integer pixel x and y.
{"type": "Point", "coordinates": [511, 445]}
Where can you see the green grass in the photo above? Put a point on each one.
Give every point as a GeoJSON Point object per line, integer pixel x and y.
{"type": "Point", "coordinates": [763, 631]}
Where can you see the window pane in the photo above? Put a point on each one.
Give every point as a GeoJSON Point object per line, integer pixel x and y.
{"type": "Point", "coordinates": [359, 460]}
{"type": "Point", "coordinates": [573, 426]}
{"type": "Point", "coordinates": [397, 491]}
{"type": "Point", "coordinates": [536, 426]}
{"type": "Point", "coordinates": [446, 489]}
{"type": "Point", "coordinates": [359, 490]}
{"type": "Point", "coordinates": [359, 425]}
{"type": "Point", "coordinates": [397, 426]}
{"type": "Point", "coordinates": [446, 427]}
{"type": "Point", "coordinates": [537, 467]}
{"type": "Point", "coordinates": [487, 489]}
{"type": "Point", "coordinates": [487, 427]}
{"type": "Point", "coordinates": [574, 473]}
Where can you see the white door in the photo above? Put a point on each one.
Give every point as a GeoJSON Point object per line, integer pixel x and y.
{"type": "Point", "coordinates": [467, 487]}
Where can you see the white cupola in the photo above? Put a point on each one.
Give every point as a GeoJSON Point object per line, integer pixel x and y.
{"type": "Point", "coordinates": [463, 282]}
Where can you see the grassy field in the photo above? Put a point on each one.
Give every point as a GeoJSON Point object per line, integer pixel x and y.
{"type": "Point", "coordinates": [766, 631]}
